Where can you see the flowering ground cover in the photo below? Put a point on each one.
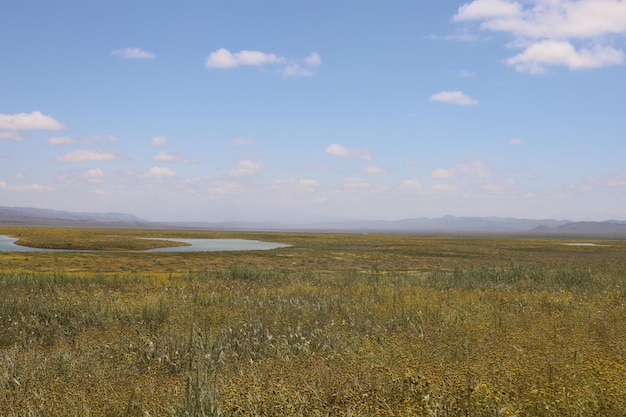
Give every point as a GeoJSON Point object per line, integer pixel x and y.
{"type": "Point", "coordinates": [336, 324]}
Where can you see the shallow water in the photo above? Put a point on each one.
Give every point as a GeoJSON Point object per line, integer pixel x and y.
{"type": "Point", "coordinates": [583, 244]}
{"type": "Point", "coordinates": [7, 245]}
{"type": "Point", "coordinates": [215, 245]}
{"type": "Point", "coordinates": [196, 245]}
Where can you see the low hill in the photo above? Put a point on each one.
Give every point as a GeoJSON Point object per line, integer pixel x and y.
{"type": "Point", "coordinates": [28, 216]}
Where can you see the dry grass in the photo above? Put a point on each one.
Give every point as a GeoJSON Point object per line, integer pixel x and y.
{"type": "Point", "coordinates": [336, 325]}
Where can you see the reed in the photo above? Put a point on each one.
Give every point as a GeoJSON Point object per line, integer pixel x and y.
{"type": "Point", "coordinates": [479, 338]}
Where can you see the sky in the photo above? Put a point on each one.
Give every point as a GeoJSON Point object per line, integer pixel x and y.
{"type": "Point", "coordinates": [287, 110]}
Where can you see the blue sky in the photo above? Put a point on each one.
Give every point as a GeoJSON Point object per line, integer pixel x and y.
{"type": "Point", "coordinates": [302, 110]}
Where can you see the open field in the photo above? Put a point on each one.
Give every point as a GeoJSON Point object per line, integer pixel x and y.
{"type": "Point", "coordinates": [335, 325]}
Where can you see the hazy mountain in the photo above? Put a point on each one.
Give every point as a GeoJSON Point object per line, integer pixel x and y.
{"type": "Point", "coordinates": [46, 217]}
{"type": "Point", "coordinates": [446, 224]}
{"type": "Point", "coordinates": [609, 227]}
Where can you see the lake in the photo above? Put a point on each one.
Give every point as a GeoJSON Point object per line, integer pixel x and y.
{"type": "Point", "coordinates": [7, 244]}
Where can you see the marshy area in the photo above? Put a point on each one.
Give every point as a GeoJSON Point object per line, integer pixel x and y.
{"type": "Point", "coordinates": [334, 324]}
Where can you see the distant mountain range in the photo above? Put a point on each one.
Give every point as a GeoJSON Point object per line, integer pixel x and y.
{"type": "Point", "coordinates": [45, 217]}
{"type": "Point", "coordinates": [28, 216]}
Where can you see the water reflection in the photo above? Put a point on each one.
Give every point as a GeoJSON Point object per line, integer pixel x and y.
{"type": "Point", "coordinates": [7, 244]}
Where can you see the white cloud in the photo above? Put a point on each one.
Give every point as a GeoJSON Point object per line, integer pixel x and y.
{"type": "Point", "coordinates": [537, 57]}
{"type": "Point", "coordinates": [11, 135]}
{"type": "Point", "coordinates": [223, 58]}
{"type": "Point", "coordinates": [94, 176]}
{"type": "Point", "coordinates": [133, 53]}
{"type": "Point", "coordinates": [61, 140]}
{"type": "Point", "coordinates": [441, 173]}
{"type": "Point", "coordinates": [173, 157]}
{"type": "Point", "coordinates": [576, 34]}
{"type": "Point", "coordinates": [343, 152]}
{"type": "Point", "coordinates": [158, 141]}
{"type": "Point", "coordinates": [484, 9]}
{"type": "Point", "coordinates": [245, 167]}
{"type": "Point", "coordinates": [295, 70]}
{"type": "Point", "coordinates": [86, 155]}
{"type": "Point", "coordinates": [445, 188]}
{"type": "Point", "coordinates": [411, 185]}
{"type": "Point", "coordinates": [222, 188]}
{"type": "Point", "coordinates": [64, 140]}
{"type": "Point", "coordinates": [475, 167]}
{"type": "Point", "coordinates": [355, 182]}
{"type": "Point", "coordinates": [516, 141]}
{"type": "Point", "coordinates": [372, 169]}
{"type": "Point", "coordinates": [24, 188]}
{"type": "Point", "coordinates": [313, 59]}
{"type": "Point", "coordinates": [306, 69]}
{"type": "Point", "coordinates": [294, 186]}
{"type": "Point", "coordinates": [29, 121]}
{"type": "Point", "coordinates": [454, 97]}
{"type": "Point", "coordinates": [158, 173]}
{"type": "Point", "coordinates": [494, 188]}
{"type": "Point", "coordinates": [617, 180]}
{"type": "Point", "coordinates": [548, 19]}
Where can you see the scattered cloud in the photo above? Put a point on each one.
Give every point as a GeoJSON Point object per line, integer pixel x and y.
{"type": "Point", "coordinates": [11, 135]}
{"type": "Point", "coordinates": [617, 180]}
{"type": "Point", "coordinates": [133, 53]}
{"type": "Point", "coordinates": [540, 55]}
{"type": "Point", "coordinates": [173, 157]}
{"type": "Point", "coordinates": [245, 167]}
{"type": "Point", "coordinates": [24, 188]}
{"type": "Point", "coordinates": [158, 173]}
{"type": "Point", "coordinates": [86, 155]}
{"type": "Point", "coordinates": [297, 185]}
{"type": "Point", "coordinates": [372, 169]}
{"type": "Point", "coordinates": [64, 140]}
{"type": "Point", "coordinates": [475, 167]}
{"type": "Point", "coordinates": [516, 141]}
{"type": "Point", "coordinates": [343, 152]}
{"type": "Point", "coordinates": [355, 182]}
{"type": "Point", "coordinates": [576, 34]}
{"type": "Point", "coordinates": [223, 58]}
{"type": "Point", "coordinates": [222, 188]}
{"type": "Point", "coordinates": [441, 173]}
{"type": "Point", "coordinates": [158, 141]}
{"type": "Point", "coordinates": [306, 69]}
{"type": "Point", "coordinates": [94, 176]}
{"type": "Point", "coordinates": [454, 97]}
{"type": "Point", "coordinates": [444, 188]}
{"type": "Point", "coordinates": [411, 185]}
{"type": "Point", "coordinates": [313, 59]}
{"type": "Point", "coordinates": [412, 163]}
{"type": "Point", "coordinates": [29, 121]}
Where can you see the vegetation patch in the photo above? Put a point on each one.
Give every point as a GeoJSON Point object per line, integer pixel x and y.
{"type": "Point", "coordinates": [398, 325]}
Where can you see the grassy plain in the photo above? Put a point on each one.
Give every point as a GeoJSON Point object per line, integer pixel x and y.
{"type": "Point", "coordinates": [337, 324]}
